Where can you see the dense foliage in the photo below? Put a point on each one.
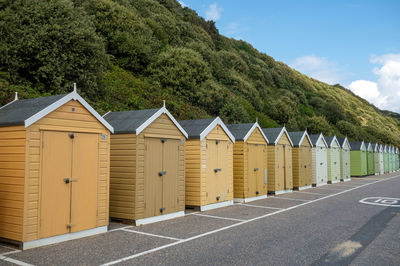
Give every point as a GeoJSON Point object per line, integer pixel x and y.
{"type": "Point", "coordinates": [127, 54]}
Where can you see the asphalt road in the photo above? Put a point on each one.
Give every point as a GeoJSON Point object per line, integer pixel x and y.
{"type": "Point", "coordinates": [319, 226]}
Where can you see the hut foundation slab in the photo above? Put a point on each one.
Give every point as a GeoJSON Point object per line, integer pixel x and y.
{"type": "Point", "coordinates": [215, 205]}
{"type": "Point", "coordinates": [319, 184]}
{"type": "Point", "coordinates": [345, 180]}
{"type": "Point", "coordinates": [159, 218]}
{"type": "Point", "coordinates": [333, 182]}
{"type": "Point", "coordinates": [302, 188]}
{"type": "Point", "coordinates": [62, 238]}
{"type": "Point", "coordinates": [245, 200]}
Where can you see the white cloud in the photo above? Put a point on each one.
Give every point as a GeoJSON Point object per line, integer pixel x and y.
{"type": "Point", "coordinates": [387, 93]}
{"type": "Point", "coordinates": [319, 68]}
{"type": "Point", "coordinates": [183, 5]}
{"type": "Point", "coordinates": [213, 12]}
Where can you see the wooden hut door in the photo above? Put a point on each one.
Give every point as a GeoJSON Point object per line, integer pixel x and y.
{"type": "Point", "coordinates": [55, 194]}
{"type": "Point", "coordinates": [280, 177]}
{"type": "Point", "coordinates": [69, 182]}
{"type": "Point", "coordinates": [288, 183]}
{"type": "Point", "coordinates": [84, 181]}
{"type": "Point", "coordinates": [260, 178]}
{"type": "Point", "coordinates": [153, 158]}
{"type": "Point", "coordinates": [252, 169]}
{"type": "Point", "coordinates": [170, 179]}
{"type": "Point", "coordinates": [212, 166]}
{"type": "Point", "coordinates": [221, 174]}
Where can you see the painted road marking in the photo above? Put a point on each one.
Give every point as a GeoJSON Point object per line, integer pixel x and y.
{"type": "Point", "coordinates": [149, 234]}
{"type": "Point", "coordinates": [120, 228]}
{"type": "Point", "coordinates": [311, 193]}
{"type": "Point", "coordinates": [381, 201]}
{"type": "Point", "coordinates": [219, 217]}
{"type": "Point", "coordinates": [291, 199]}
{"type": "Point", "coordinates": [18, 262]}
{"type": "Point", "coordinates": [333, 189]}
{"type": "Point", "coordinates": [237, 224]}
{"type": "Point", "coordinates": [264, 207]}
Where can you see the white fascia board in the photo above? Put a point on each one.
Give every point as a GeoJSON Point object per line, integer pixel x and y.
{"type": "Point", "coordinates": [8, 103]}
{"type": "Point", "coordinates": [344, 143]}
{"type": "Point", "coordinates": [369, 146]}
{"type": "Point", "coordinates": [280, 135]}
{"type": "Point", "coordinates": [321, 137]}
{"type": "Point", "coordinates": [256, 125]}
{"type": "Point", "coordinates": [93, 112]}
{"type": "Point", "coordinates": [214, 123]}
{"type": "Point", "coordinates": [308, 137]}
{"type": "Point", "coordinates": [71, 96]}
{"type": "Point", "coordinates": [335, 140]}
{"type": "Point", "coordinates": [362, 144]}
{"type": "Point", "coordinates": [161, 111]}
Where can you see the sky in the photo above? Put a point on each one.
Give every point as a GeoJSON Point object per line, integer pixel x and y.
{"type": "Point", "coordinates": [355, 43]}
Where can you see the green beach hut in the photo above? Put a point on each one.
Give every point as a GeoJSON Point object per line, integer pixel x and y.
{"type": "Point", "coordinates": [386, 158]}
{"type": "Point", "coordinates": [358, 159]}
{"type": "Point", "coordinates": [370, 159]}
{"type": "Point", "coordinates": [333, 160]}
{"type": "Point", "coordinates": [344, 159]}
{"type": "Point", "coordinates": [378, 158]}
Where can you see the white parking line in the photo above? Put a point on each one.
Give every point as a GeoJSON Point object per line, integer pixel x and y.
{"type": "Point", "coordinates": [264, 207]}
{"type": "Point", "coordinates": [18, 262]}
{"type": "Point", "coordinates": [149, 234]}
{"type": "Point", "coordinates": [311, 193]}
{"type": "Point", "coordinates": [10, 252]}
{"type": "Point", "coordinates": [237, 224]}
{"type": "Point", "coordinates": [346, 186]}
{"type": "Point", "coordinates": [219, 217]}
{"type": "Point", "coordinates": [331, 189]}
{"type": "Point", "coordinates": [291, 199]}
{"type": "Point", "coordinates": [120, 228]}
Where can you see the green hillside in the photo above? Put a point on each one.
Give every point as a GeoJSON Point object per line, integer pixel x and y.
{"type": "Point", "coordinates": [133, 54]}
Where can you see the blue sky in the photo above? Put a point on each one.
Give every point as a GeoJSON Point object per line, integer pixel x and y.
{"type": "Point", "coordinates": [354, 43]}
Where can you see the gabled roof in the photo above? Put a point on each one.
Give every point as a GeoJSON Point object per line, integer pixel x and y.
{"type": "Point", "coordinates": [298, 136]}
{"type": "Point", "coordinates": [331, 140]}
{"type": "Point", "coordinates": [357, 146]}
{"type": "Point", "coordinates": [243, 131]}
{"type": "Point", "coordinates": [397, 150]}
{"type": "Point", "coordinates": [369, 146]}
{"type": "Point", "coordinates": [385, 148]}
{"type": "Point", "coordinates": [137, 121]}
{"type": "Point", "coordinates": [274, 134]}
{"type": "Point", "coordinates": [28, 111]}
{"type": "Point", "coordinates": [380, 148]}
{"type": "Point", "coordinates": [199, 129]}
{"type": "Point", "coordinates": [375, 147]}
{"type": "Point", "coordinates": [315, 138]}
{"type": "Point", "coordinates": [343, 141]}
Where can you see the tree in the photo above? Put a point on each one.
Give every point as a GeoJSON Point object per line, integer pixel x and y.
{"type": "Point", "coordinates": [50, 44]}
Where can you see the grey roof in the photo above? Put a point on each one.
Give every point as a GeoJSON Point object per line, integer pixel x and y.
{"type": "Point", "coordinates": [341, 141]}
{"type": "Point", "coordinates": [356, 145]}
{"type": "Point", "coordinates": [128, 121]}
{"type": "Point", "coordinates": [16, 112]}
{"type": "Point", "coordinates": [314, 138]}
{"type": "Point", "coordinates": [296, 137]}
{"type": "Point", "coordinates": [272, 133]}
{"type": "Point", "coordinates": [329, 140]}
{"type": "Point", "coordinates": [195, 127]}
{"type": "Point", "coordinates": [239, 130]}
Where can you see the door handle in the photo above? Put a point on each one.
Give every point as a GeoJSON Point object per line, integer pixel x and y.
{"type": "Point", "coordinates": [162, 209]}
{"type": "Point", "coordinates": [255, 169]}
{"type": "Point", "coordinates": [257, 192]}
{"type": "Point", "coordinates": [162, 173]}
{"type": "Point", "coordinates": [216, 170]}
{"type": "Point", "coordinates": [218, 197]}
{"type": "Point", "coordinates": [69, 180]}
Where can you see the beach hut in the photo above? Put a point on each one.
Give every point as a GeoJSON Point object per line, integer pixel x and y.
{"type": "Point", "coordinates": [301, 159]}
{"type": "Point", "coordinates": [319, 160]}
{"type": "Point", "coordinates": [370, 159]}
{"type": "Point", "coordinates": [378, 158]}
{"type": "Point", "coordinates": [249, 162]}
{"type": "Point", "coordinates": [54, 170]}
{"type": "Point", "coordinates": [385, 159]}
{"type": "Point", "coordinates": [358, 159]}
{"type": "Point", "coordinates": [280, 146]}
{"type": "Point", "coordinates": [209, 164]}
{"type": "Point", "coordinates": [344, 159]}
{"type": "Point", "coordinates": [147, 169]}
{"type": "Point", "coordinates": [397, 159]}
{"type": "Point", "coordinates": [333, 159]}
{"type": "Point", "coordinates": [390, 159]}
{"type": "Point", "coordinates": [393, 159]}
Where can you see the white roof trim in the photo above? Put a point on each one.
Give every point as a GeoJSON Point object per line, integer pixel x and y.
{"type": "Point", "coordinates": [346, 141]}
{"type": "Point", "coordinates": [163, 110]}
{"type": "Point", "coordinates": [71, 96]}
{"type": "Point", "coordinates": [215, 122]}
{"type": "Point", "coordinates": [321, 137]}
{"type": "Point", "coordinates": [385, 148]}
{"type": "Point", "coordinates": [334, 139]}
{"type": "Point", "coordinates": [380, 148]}
{"type": "Point", "coordinates": [376, 147]}
{"type": "Point", "coordinates": [15, 99]}
{"type": "Point", "coordinates": [305, 134]}
{"type": "Point", "coordinates": [280, 135]}
{"type": "Point", "coordinates": [363, 144]}
{"type": "Point", "coordinates": [256, 125]}
{"type": "Point", "coordinates": [369, 146]}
